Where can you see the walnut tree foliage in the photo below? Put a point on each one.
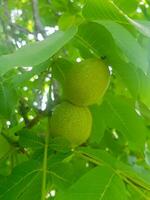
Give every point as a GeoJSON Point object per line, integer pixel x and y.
{"type": "Point", "coordinates": [39, 41]}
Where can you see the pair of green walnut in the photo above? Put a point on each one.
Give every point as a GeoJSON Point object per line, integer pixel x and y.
{"type": "Point", "coordinates": [85, 84]}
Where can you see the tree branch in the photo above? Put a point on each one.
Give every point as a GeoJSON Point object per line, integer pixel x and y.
{"type": "Point", "coordinates": [13, 26]}
{"type": "Point", "coordinates": [23, 110]}
{"type": "Point", "coordinates": [38, 25]}
{"type": "Point", "coordinates": [4, 28]}
{"type": "Point", "coordinates": [21, 29]}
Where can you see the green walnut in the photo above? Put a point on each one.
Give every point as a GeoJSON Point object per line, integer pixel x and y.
{"type": "Point", "coordinates": [4, 146]}
{"type": "Point", "coordinates": [86, 82]}
{"type": "Point", "coordinates": [71, 122]}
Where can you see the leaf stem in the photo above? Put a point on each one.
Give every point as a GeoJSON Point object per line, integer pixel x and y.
{"type": "Point", "coordinates": [45, 165]}
{"type": "Point", "coordinates": [136, 189]}
{"type": "Point", "coordinates": [128, 179]}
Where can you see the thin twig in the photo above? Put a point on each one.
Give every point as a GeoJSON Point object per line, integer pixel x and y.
{"type": "Point", "coordinates": [45, 163]}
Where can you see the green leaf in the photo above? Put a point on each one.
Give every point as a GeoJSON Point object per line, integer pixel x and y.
{"type": "Point", "coordinates": [100, 183]}
{"type": "Point", "coordinates": [133, 194]}
{"type": "Point", "coordinates": [98, 124]}
{"type": "Point", "coordinates": [60, 68]}
{"type": "Point", "coordinates": [127, 6]}
{"type": "Point", "coordinates": [142, 172]}
{"type": "Point", "coordinates": [59, 144]}
{"type": "Point", "coordinates": [109, 10]}
{"type": "Point", "coordinates": [26, 179]}
{"type": "Point", "coordinates": [22, 183]}
{"type": "Point", "coordinates": [101, 43]}
{"type": "Point", "coordinates": [27, 139]}
{"type": "Point", "coordinates": [144, 88]}
{"type": "Point", "coordinates": [62, 175]}
{"type": "Point", "coordinates": [36, 53]}
{"type": "Point", "coordinates": [114, 144]}
{"type": "Point", "coordinates": [119, 114]}
{"type": "Point", "coordinates": [67, 20]}
{"type": "Point", "coordinates": [126, 71]}
{"type": "Point", "coordinates": [19, 79]}
{"type": "Point", "coordinates": [4, 147]}
{"type": "Point", "coordinates": [142, 26]}
{"type": "Point", "coordinates": [100, 9]}
{"type": "Point", "coordinates": [8, 99]}
{"type": "Point", "coordinates": [127, 44]}
{"type": "Point", "coordinates": [100, 157]}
